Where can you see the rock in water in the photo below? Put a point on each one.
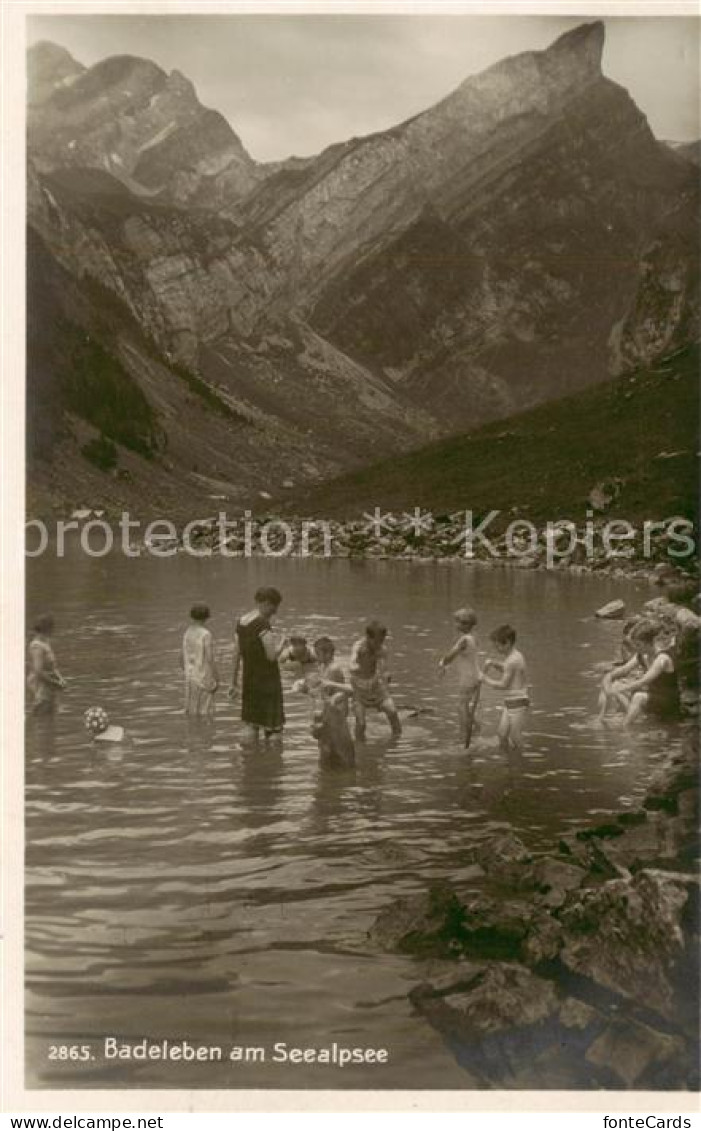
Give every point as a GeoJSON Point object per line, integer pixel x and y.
{"type": "Point", "coordinates": [504, 858]}
{"type": "Point", "coordinates": [611, 611]}
{"type": "Point", "coordinates": [493, 1016]}
{"type": "Point", "coordinates": [430, 923]}
{"type": "Point", "coordinates": [626, 935]}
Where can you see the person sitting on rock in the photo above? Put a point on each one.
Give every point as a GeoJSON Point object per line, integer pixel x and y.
{"type": "Point", "coordinates": [656, 692]}
{"type": "Point", "coordinates": [369, 679]}
{"type": "Point", "coordinates": [633, 659]}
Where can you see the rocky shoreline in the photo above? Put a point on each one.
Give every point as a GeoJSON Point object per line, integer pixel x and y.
{"type": "Point", "coordinates": [279, 535]}
{"type": "Point", "coordinates": [575, 968]}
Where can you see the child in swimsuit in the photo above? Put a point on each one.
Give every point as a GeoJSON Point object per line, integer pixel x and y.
{"type": "Point", "coordinates": [330, 693]}
{"type": "Point", "coordinates": [636, 637]}
{"type": "Point", "coordinates": [463, 655]}
{"type": "Point", "coordinates": [199, 664]}
{"type": "Point", "coordinates": [656, 692]}
{"type": "Point", "coordinates": [369, 680]}
{"type": "Point", "coordinates": [513, 682]}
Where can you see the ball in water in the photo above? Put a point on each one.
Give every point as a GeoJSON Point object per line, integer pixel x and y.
{"type": "Point", "coordinates": [96, 720]}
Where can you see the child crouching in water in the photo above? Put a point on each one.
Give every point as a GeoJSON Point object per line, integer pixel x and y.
{"type": "Point", "coordinates": [199, 664]}
{"type": "Point", "coordinates": [463, 655]}
{"type": "Point", "coordinates": [327, 686]}
{"type": "Point", "coordinates": [513, 682]}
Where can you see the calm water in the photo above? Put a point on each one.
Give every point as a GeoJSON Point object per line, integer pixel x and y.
{"type": "Point", "coordinates": [184, 888]}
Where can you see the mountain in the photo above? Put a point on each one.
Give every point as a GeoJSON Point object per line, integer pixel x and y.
{"type": "Point", "coordinates": [146, 127]}
{"type": "Point", "coordinates": [639, 433]}
{"type": "Point", "coordinates": [524, 238]}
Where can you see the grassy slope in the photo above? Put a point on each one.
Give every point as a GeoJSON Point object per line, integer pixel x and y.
{"type": "Point", "coordinates": [545, 461]}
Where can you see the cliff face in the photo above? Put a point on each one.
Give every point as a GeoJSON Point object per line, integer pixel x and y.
{"type": "Point", "coordinates": [367, 190]}
{"type": "Point", "coordinates": [196, 419]}
{"type": "Point", "coordinates": [525, 237]}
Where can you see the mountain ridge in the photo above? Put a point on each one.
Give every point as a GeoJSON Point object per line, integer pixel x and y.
{"type": "Point", "coordinates": [525, 237]}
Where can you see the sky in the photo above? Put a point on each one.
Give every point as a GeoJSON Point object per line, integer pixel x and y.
{"type": "Point", "coordinates": [293, 84]}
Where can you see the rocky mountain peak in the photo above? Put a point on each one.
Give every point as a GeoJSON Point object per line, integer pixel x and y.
{"type": "Point", "coordinates": [574, 59]}
{"type": "Point", "coordinates": [120, 76]}
{"type": "Point", "coordinates": [584, 43]}
{"type": "Point", "coordinates": [48, 67]}
{"type": "Point", "coordinates": [538, 80]}
{"type": "Point", "coordinates": [148, 128]}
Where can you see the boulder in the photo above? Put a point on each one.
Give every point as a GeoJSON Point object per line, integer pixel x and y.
{"type": "Point", "coordinates": [640, 844]}
{"type": "Point", "coordinates": [494, 928]}
{"type": "Point", "coordinates": [678, 774]}
{"type": "Point", "coordinates": [588, 854]}
{"type": "Point", "coordinates": [429, 924]}
{"type": "Point", "coordinates": [504, 858]}
{"type": "Point", "coordinates": [626, 936]}
{"type": "Point", "coordinates": [493, 1017]}
{"type": "Point", "coordinates": [487, 998]}
{"type": "Point", "coordinates": [543, 942]}
{"type": "Point", "coordinates": [555, 873]}
{"type": "Point", "coordinates": [512, 1028]}
{"type": "Point", "coordinates": [612, 610]}
{"type": "Point", "coordinates": [631, 1051]}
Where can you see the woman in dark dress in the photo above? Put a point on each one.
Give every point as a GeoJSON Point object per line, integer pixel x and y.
{"type": "Point", "coordinates": [256, 653]}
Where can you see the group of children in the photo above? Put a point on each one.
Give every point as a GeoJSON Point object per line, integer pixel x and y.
{"type": "Point", "coordinates": [643, 680]}
{"type": "Point", "coordinates": [510, 678]}
{"type": "Point", "coordinates": [334, 694]}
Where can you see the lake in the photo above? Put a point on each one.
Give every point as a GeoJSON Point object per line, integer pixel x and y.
{"type": "Point", "coordinates": [182, 887]}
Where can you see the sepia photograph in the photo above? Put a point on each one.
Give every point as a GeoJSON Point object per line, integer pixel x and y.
{"type": "Point", "coordinates": [361, 578]}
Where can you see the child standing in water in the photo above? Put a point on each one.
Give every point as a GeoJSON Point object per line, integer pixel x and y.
{"type": "Point", "coordinates": [327, 686]}
{"type": "Point", "coordinates": [44, 680]}
{"type": "Point", "coordinates": [463, 655]}
{"type": "Point", "coordinates": [199, 664]}
{"type": "Point", "coordinates": [370, 681]}
{"type": "Point", "coordinates": [513, 682]}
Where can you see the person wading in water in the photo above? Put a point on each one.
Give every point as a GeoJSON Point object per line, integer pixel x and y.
{"type": "Point", "coordinates": [44, 681]}
{"type": "Point", "coordinates": [257, 651]}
